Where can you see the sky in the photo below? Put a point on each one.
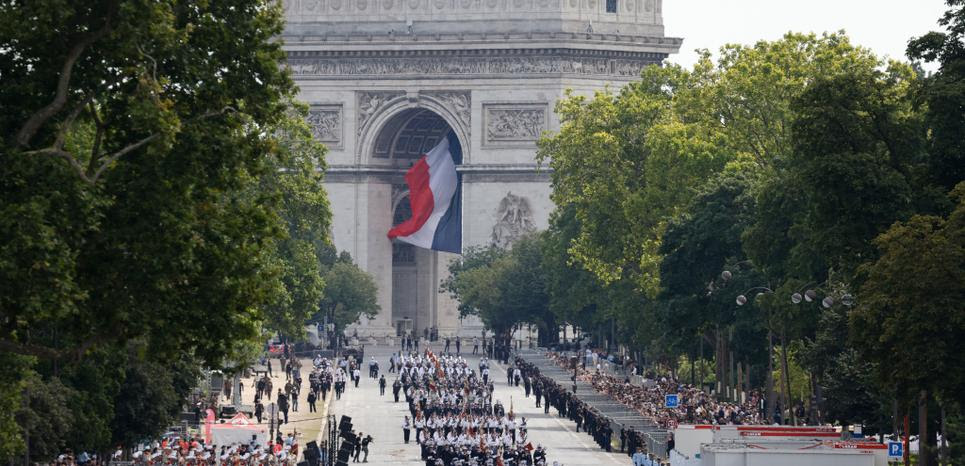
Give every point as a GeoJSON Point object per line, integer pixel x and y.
{"type": "Point", "coordinates": [883, 26]}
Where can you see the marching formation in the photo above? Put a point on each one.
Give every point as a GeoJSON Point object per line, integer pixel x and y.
{"type": "Point", "coordinates": [455, 419]}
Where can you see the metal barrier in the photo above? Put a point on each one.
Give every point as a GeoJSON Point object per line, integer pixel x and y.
{"type": "Point", "coordinates": [619, 415]}
{"type": "Point", "coordinates": [657, 442]}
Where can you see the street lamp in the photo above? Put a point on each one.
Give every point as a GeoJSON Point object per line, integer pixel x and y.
{"type": "Point", "coordinates": [810, 296]}
{"type": "Point", "coordinates": [769, 397]}
{"type": "Point", "coordinates": [847, 299]}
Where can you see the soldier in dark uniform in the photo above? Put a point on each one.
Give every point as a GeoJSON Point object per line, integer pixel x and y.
{"type": "Point", "coordinates": [396, 386]}
{"type": "Point", "coordinates": [578, 419]}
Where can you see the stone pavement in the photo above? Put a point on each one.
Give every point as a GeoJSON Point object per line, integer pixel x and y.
{"type": "Point", "coordinates": [382, 419]}
{"type": "Point", "coordinates": [304, 424]}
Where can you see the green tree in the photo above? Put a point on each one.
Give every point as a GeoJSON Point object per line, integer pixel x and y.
{"type": "Point", "coordinates": [150, 397]}
{"type": "Point", "coordinates": [624, 163]}
{"type": "Point", "coordinates": [850, 392]}
{"type": "Point", "coordinates": [909, 317]}
{"type": "Point", "coordinates": [574, 293]}
{"type": "Point", "coordinates": [630, 163]}
{"type": "Point", "coordinates": [350, 293]}
{"type": "Point", "coordinates": [695, 301]}
{"type": "Point", "coordinates": [294, 176]}
{"type": "Point", "coordinates": [473, 257]}
{"type": "Point", "coordinates": [45, 415]}
{"type": "Point", "coordinates": [505, 287]}
{"type": "Point", "coordinates": [944, 95]}
{"type": "Point", "coordinates": [156, 187]}
{"type": "Point", "coordinates": [127, 144]}
{"type": "Point", "coordinates": [856, 151]}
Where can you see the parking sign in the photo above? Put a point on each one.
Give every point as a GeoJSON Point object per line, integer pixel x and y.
{"type": "Point", "coordinates": [671, 401]}
{"type": "Point", "coordinates": [896, 449]}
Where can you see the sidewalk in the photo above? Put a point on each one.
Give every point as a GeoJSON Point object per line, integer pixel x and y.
{"type": "Point", "coordinates": [307, 425]}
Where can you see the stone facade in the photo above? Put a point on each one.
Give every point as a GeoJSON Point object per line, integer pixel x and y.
{"type": "Point", "coordinates": [385, 79]}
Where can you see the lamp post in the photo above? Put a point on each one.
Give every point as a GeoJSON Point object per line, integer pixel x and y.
{"type": "Point", "coordinates": [769, 396]}
{"type": "Point", "coordinates": [809, 295]}
{"type": "Point", "coordinates": [719, 345]}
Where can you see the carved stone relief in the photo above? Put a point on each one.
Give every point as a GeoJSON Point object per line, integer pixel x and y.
{"type": "Point", "coordinates": [457, 102]}
{"type": "Point", "coordinates": [326, 123]}
{"type": "Point", "coordinates": [513, 124]}
{"type": "Point", "coordinates": [393, 67]}
{"type": "Point", "coordinates": [369, 102]}
{"type": "Point", "coordinates": [514, 218]}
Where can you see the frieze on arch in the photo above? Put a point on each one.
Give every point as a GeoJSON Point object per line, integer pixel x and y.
{"type": "Point", "coordinates": [468, 66]}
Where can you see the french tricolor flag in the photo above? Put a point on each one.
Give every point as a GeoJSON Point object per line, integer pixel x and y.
{"type": "Point", "coordinates": [435, 198]}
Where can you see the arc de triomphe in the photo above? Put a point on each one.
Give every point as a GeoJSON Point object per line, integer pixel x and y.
{"type": "Point", "coordinates": [385, 79]}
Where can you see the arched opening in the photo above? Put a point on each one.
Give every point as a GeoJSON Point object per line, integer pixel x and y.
{"type": "Point", "coordinates": [406, 137]}
{"type": "Point", "coordinates": [401, 142]}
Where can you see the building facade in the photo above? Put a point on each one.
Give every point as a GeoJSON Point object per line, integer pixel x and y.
{"type": "Point", "coordinates": [386, 79]}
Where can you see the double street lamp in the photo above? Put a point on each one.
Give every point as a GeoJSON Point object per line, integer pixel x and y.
{"type": "Point", "coordinates": [805, 294]}
{"type": "Point", "coordinates": [769, 395]}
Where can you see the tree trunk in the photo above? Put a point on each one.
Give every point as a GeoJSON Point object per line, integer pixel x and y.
{"type": "Point", "coordinates": [895, 415]}
{"type": "Point", "coordinates": [734, 376]}
{"type": "Point", "coordinates": [718, 363]}
{"type": "Point", "coordinates": [770, 377]}
{"type": "Point", "coordinates": [907, 431]}
{"type": "Point", "coordinates": [943, 450]}
{"type": "Point", "coordinates": [924, 455]}
{"type": "Point", "coordinates": [787, 377]}
{"type": "Point", "coordinates": [701, 359]}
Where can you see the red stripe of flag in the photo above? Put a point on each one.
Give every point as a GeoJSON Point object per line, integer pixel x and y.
{"type": "Point", "coordinates": [420, 199]}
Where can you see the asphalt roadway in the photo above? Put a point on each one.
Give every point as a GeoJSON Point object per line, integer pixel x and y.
{"type": "Point", "coordinates": [381, 418]}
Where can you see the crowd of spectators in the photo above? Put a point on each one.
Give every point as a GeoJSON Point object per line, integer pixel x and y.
{"type": "Point", "coordinates": [648, 398]}
{"type": "Point", "coordinates": [192, 451]}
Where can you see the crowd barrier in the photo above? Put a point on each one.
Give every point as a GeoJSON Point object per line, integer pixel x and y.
{"type": "Point", "coordinates": [619, 415]}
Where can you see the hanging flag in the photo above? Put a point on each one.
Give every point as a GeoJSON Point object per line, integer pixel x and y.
{"type": "Point", "coordinates": [435, 198]}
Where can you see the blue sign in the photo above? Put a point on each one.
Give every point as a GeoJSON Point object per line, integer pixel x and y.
{"type": "Point", "coordinates": [671, 401]}
{"type": "Point", "coordinates": [896, 449]}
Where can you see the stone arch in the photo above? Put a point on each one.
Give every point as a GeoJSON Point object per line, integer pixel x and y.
{"type": "Point", "coordinates": [400, 201]}
{"type": "Point", "coordinates": [452, 107]}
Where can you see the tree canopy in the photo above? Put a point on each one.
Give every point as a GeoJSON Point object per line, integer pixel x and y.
{"type": "Point", "coordinates": [160, 209]}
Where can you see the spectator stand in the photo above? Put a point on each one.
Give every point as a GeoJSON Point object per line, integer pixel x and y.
{"type": "Point", "coordinates": [619, 415]}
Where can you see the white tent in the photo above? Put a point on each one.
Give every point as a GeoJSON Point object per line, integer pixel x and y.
{"type": "Point", "coordinates": [239, 429]}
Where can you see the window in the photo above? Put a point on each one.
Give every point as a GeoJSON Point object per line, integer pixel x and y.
{"type": "Point", "coordinates": [611, 6]}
